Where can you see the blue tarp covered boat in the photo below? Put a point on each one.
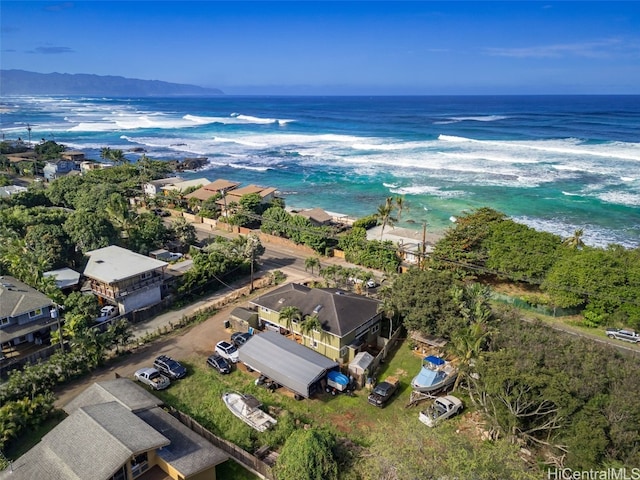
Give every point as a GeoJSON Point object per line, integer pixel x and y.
{"type": "Point", "coordinates": [436, 374]}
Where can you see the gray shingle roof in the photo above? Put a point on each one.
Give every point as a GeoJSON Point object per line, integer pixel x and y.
{"type": "Point", "coordinates": [121, 390]}
{"type": "Point", "coordinates": [285, 361]}
{"type": "Point", "coordinates": [112, 264]}
{"type": "Point", "coordinates": [92, 443]}
{"type": "Point", "coordinates": [17, 298]}
{"type": "Point", "coordinates": [108, 423]}
{"type": "Point", "coordinates": [341, 312]}
{"type": "Point", "coordinates": [187, 451]}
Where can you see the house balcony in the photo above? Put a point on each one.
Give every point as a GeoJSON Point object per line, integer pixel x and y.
{"type": "Point", "coordinates": [116, 292]}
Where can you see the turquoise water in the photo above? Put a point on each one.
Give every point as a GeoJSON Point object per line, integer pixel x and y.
{"type": "Point", "coordinates": [555, 163]}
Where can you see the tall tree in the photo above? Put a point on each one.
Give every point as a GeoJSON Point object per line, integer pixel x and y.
{"type": "Point", "coordinates": [290, 315]}
{"type": "Point", "coordinates": [384, 215]}
{"type": "Point", "coordinates": [311, 263]}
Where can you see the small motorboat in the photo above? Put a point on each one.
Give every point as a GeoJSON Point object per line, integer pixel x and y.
{"type": "Point", "coordinates": [247, 409]}
{"type": "Point", "coordinates": [436, 374]}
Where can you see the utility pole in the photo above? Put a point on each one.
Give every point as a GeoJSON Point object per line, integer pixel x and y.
{"type": "Point", "coordinates": [56, 315]}
{"type": "Point", "coordinates": [423, 247]}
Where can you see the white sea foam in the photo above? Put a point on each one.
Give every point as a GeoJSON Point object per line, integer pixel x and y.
{"type": "Point", "coordinates": [476, 118]}
{"type": "Point", "coordinates": [427, 190]}
{"type": "Point", "coordinates": [620, 198]}
{"type": "Point", "coordinates": [592, 235]}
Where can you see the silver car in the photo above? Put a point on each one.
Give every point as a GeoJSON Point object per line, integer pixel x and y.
{"type": "Point", "coordinates": [626, 335]}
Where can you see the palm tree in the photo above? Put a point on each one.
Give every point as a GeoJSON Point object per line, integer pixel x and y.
{"type": "Point", "coordinates": [388, 307]}
{"type": "Point", "coordinates": [401, 206]}
{"type": "Point", "coordinates": [120, 215]}
{"type": "Point", "coordinates": [310, 324]}
{"type": "Point", "coordinates": [467, 344]}
{"type": "Point", "coordinates": [290, 315]}
{"type": "Point", "coordinates": [117, 156]}
{"type": "Point", "coordinates": [311, 262]}
{"type": "Point", "coordinates": [575, 241]}
{"type": "Point", "coordinates": [330, 273]}
{"type": "Point", "coordinates": [105, 153]}
{"type": "Point", "coordinates": [384, 215]}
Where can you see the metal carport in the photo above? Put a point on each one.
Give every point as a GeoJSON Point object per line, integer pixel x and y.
{"type": "Point", "coordinates": [286, 362]}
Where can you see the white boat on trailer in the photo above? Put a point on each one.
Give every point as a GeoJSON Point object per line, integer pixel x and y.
{"type": "Point", "coordinates": [247, 409]}
{"type": "Point", "coordinates": [436, 374]}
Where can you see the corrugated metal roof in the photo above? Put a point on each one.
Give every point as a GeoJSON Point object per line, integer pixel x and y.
{"type": "Point", "coordinates": [286, 362]}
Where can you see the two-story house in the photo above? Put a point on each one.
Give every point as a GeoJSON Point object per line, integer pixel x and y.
{"type": "Point", "coordinates": [58, 168]}
{"type": "Point", "coordinates": [349, 321]}
{"type": "Point", "coordinates": [25, 314]}
{"type": "Point", "coordinates": [125, 278]}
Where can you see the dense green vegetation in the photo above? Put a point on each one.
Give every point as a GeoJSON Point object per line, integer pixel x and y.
{"type": "Point", "coordinates": [602, 283]}
{"type": "Point", "coordinates": [569, 400]}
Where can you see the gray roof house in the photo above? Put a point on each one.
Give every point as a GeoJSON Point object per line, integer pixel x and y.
{"type": "Point", "coordinates": [117, 430]}
{"type": "Point", "coordinates": [125, 278]}
{"type": "Point", "coordinates": [349, 321]}
{"type": "Point", "coordinates": [25, 314]}
{"type": "Point", "coordinates": [288, 363]}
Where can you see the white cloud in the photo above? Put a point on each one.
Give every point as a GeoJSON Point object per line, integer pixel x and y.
{"type": "Point", "coordinates": [597, 49]}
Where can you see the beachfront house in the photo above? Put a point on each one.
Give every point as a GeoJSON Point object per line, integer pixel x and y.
{"type": "Point", "coordinates": [217, 187]}
{"type": "Point", "coordinates": [232, 198]}
{"type": "Point", "coordinates": [125, 278]}
{"type": "Point", "coordinates": [59, 168]}
{"type": "Point", "coordinates": [26, 315]}
{"type": "Point", "coordinates": [349, 322]}
{"type": "Point", "coordinates": [116, 430]}
{"type": "Point", "coordinates": [154, 187]}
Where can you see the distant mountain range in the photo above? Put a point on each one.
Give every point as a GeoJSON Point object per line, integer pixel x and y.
{"type": "Point", "coordinates": [21, 82]}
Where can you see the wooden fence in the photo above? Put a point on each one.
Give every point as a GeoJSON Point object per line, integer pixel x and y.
{"type": "Point", "coordinates": [389, 345]}
{"type": "Point", "coordinates": [247, 460]}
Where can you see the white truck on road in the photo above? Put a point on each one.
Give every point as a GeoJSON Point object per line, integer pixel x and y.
{"type": "Point", "coordinates": [153, 378]}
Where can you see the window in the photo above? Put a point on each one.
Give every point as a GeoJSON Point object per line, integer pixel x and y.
{"type": "Point", "coordinates": [139, 464]}
{"type": "Point", "coordinates": [375, 328]}
{"type": "Point", "coordinates": [4, 321]}
{"type": "Point", "coordinates": [343, 351]}
{"type": "Point", "coordinates": [314, 344]}
{"type": "Point", "coordinates": [35, 313]}
{"type": "Point", "coordinates": [145, 275]}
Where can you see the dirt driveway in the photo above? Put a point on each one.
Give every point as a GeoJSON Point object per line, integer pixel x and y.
{"type": "Point", "coordinates": [192, 343]}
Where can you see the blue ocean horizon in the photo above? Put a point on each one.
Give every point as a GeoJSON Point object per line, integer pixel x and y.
{"type": "Point", "coordinates": [557, 163]}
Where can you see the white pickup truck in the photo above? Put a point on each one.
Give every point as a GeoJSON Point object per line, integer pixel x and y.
{"type": "Point", "coordinates": [153, 378]}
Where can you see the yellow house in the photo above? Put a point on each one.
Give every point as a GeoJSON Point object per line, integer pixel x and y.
{"type": "Point", "coordinates": [348, 321]}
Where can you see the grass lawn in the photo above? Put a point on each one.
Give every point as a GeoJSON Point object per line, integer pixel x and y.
{"type": "Point", "coordinates": [199, 394]}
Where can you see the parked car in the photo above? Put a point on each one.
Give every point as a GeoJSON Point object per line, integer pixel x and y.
{"type": "Point", "coordinates": [107, 312]}
{"type": "Point", "coordinates": [169, 367]}
{"type": "Point", "coordinates": [219, 363]}
{"type": "Point", "coordinates": [626, 335]}
{"type": "Point", "coordinates": [174, 257]}
{"type": "Point", "coordinates": [227, 351]}
{"type": "Point", "coordinates": [153, 378]}
{"type": "Point", "coordinates": [240, 338]}
{"type": "Point", "coordinates": [384, 391]}
{"type": "Point", "coordinates": [160, 212]}
{"type": "Point", "coordinates": [441, 409]}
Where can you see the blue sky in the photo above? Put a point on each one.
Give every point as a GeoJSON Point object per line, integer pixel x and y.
{"type": "Point", "coordinates": [337, 47]}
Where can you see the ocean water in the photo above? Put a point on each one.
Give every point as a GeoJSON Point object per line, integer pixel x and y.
{"type": "Point", "coordinates": [555, 163]}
